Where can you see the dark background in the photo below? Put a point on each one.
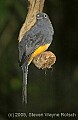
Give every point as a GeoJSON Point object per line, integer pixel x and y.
{"type": "Point", "coordinates": [55, 92]}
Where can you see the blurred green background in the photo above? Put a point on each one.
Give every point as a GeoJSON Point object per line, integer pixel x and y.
{"type": "Point", "coordinates": [57, 91]}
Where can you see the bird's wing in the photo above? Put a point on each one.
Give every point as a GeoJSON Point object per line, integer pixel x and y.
{"type": "Point", "coordinates": [29, 44]}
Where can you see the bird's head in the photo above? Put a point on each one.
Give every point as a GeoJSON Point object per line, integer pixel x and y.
{"type": "Point", "coordinates": [41, 16]}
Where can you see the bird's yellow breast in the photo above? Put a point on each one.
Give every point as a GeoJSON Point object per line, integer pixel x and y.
{"type": "Point", "coordinates": [38, 51]}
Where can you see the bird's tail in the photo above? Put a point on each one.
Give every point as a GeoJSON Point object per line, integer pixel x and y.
{"type": "Point", "coordinates": [24, 91]}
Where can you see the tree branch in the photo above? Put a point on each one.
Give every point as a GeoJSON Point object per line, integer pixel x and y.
{"type": "Point", "coordinates": [35, 6]}
{"type": "Point", "coordinates": [44, 60]}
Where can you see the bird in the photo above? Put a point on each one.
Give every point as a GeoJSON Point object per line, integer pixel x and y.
{"type": "Point", "coordinates": [34, 42]}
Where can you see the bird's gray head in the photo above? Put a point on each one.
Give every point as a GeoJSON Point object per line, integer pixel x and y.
{"type": "Point", "coordinates": [43, 20]}
{"type": "Point", "coordinates": [42, 15]}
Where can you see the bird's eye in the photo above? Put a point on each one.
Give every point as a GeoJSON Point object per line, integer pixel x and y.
{"type": "Point", "coordinates": [45, 15]}
{"type": "Point", "coordinates": [38, 15]}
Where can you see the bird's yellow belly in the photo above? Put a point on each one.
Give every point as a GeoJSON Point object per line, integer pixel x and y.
{"type": "Point", "coordinates": [38, 51]}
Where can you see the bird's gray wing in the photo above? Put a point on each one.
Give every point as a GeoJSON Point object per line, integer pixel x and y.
{"type": "Point", "coordinates": [29, 44]}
